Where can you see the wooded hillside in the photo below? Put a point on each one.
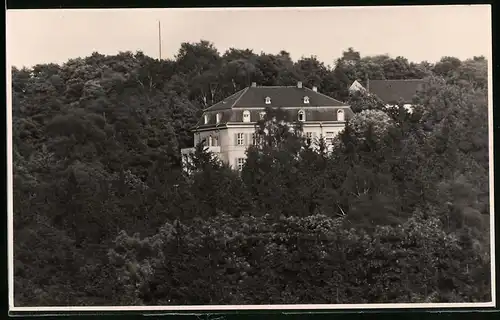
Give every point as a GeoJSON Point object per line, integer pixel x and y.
{"type": "Point", "coordinates": [104, 215]}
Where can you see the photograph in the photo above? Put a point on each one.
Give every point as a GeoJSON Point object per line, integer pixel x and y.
{"type": "Point", "coordinates": [298, 158]}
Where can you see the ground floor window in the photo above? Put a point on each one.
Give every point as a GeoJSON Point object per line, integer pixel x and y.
{"type": "Point", "coordinates": [239, 163]}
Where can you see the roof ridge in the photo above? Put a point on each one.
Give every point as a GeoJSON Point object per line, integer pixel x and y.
{"type": "Point", "coordinates": [324, 95]}
{"type": "Point", "coordinates": [241, 95]}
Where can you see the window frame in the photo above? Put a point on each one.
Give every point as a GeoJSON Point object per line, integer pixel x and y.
{"type": "Point", "coordinates": [246, 116]}
{"type": "Point", "coordinates": [341, 112]}
{"type": "Point", "coordinates": [303, 114]}
{"type": "Point", "coordinates": [240, 162]}
{"type": "Point", "coordinates": [242, 139]}
{"type": "Point", "coordinates": [329, 137]}
{"type": "Point", "coordinates": [309, 137]}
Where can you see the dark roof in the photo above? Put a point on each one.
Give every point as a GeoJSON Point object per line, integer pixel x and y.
{"type": "Point", "coordinates": [311, 113]}
{"type": "Point", "coordinates": [320, 107]}
{"type": "Point", "coordinates": [281, 96]}
{"type": "Point", "coordinates": [392, 91]}
{"type": "Point", "coordinates": [226, 103]}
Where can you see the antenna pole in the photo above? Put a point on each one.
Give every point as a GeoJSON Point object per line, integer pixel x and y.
{"type": "Point", "coordinates": [159, 37]}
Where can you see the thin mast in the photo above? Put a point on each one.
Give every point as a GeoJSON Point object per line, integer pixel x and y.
{"type": "Point", "coordinates": [159, 37]}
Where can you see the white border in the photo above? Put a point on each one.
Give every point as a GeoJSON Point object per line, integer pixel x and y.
{"type": "Point", "coordinates": [290, 307]}
{"type": "Point", "coordinates": [323, 8]}
{"type": "Point", "coordinates": [264, 307]}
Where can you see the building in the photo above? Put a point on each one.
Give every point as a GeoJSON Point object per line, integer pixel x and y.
{"type": "Point", "coordinates": [228, 126]}
{"type": "Point", "coordinates": [391, 92]}
{"type": "Point", "coordinates": [356, 86]}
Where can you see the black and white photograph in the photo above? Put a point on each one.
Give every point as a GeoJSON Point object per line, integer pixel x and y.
{"type": "Point", "coordinates": [250, 158]}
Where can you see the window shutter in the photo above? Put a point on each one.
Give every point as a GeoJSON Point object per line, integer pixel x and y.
{"type": "Point", "coordinates": [235, 139]}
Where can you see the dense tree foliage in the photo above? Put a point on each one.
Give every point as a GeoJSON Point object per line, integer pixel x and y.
{"type": "Point", "coordinates": [397, 210]}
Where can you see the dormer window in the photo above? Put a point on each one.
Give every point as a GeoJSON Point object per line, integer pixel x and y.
{"type": "Point", "coordinates": [205, 117]}
{"type": "Point", "coordinates": [340, 115]}
{"type": "Point", "coordinates": [268, 100]}
{"type": "Point", "coordinates": [262, 115]}
{"type": "Point", "coordinates": [246, 116]}
{"type": "Point", "coordinates": [306, 100]}
{"type": "Point", "coordinates": [218, 117]}
{"type": "Point", "coordinates": [302, 115]}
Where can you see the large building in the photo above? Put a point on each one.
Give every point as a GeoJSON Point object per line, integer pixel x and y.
{"type": "Point", "coordinates": [228, 126]}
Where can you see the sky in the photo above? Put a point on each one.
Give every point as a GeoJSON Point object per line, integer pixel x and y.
{"type": "Point", "coordinates": [417, 32]}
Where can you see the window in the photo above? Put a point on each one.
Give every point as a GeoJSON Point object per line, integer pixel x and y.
{"type": "Point", "coordinates": [302, 115]}
{"type": "Point", "coordinates": [254, 139]}
{"type": "Point", "coordinates": [309, 136]}
{"type": "Point", "coordinates": [340, 115]}
{"type": "Point", "coordinates": [246, 116]}
{"type": "Point", "coordinates": [218, 117]}
{"type": "Point", "coordinates": [240, 162]}
{"type": "Point", "coordinates": [209, 141]}
{"type": "Point", "coordinates": [240, 140]}
{"type": "Point", "coordinates": [268, 100]}
{"type": "Point", "coordinates": [306, 100]}
{"type": "Point", "coordinates": [206, 118]}
{"type": "Point", "coordinates": [262, 115]}
{"type": "Point", "coordinates": [329, 137]}
{"type": "Point", "coordinates": [215, 141]}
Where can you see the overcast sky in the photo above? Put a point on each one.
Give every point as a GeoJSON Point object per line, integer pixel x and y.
{"type": "Point", "coordinates": [417, 33]}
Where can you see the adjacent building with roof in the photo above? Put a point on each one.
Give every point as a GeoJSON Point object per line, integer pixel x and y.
{"type": "Point", "coordinates": [391, 92]}
{"type": "Point", "coordinates": [228, 126]}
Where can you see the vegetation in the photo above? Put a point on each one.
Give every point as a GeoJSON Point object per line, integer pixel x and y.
{"type": "Point", "coordinates": [105, 215]}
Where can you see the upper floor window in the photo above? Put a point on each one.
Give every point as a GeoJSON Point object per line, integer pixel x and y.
{"type": "Point", "coordinates": [214, 141]}
{"type": "Point", "coordinates": [205, 117]}
{"type": "Point", "coordinates": [268, 100]}
{"type": "Point", "coordinates": [329, 137]}
{"type": "Point", "coordinates": [218, 117]}
{"type": "Point", "coordinates": [240, 139]}
{"type": "Point", "coordinates": [254, 139]}
{"type": "Point", "coordinates": [302, 115]}
{"type": "Point", "coordinates": [246, 116]}
{"type": "Point", "coordinates": [262, 115]}
{"type": "Point", "coordinates": [340, 115]}
{"type": "Point", "coordinates": [309, 136]}
{"type": "Point", "coordinates": [306, 100]}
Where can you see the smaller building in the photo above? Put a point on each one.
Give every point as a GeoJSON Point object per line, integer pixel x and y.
{"type": "Point", "coordinates": [391, 92]}
{"type": "Point", "coordinates": [356, 86]}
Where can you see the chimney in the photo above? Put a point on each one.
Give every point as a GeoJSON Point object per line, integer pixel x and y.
{"type": "Point", "coordinates": [254, 84]}
{"type": "Point", "coordinates": [315, 89]}
{"type": "Point", "coordinates": [299, 84]}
